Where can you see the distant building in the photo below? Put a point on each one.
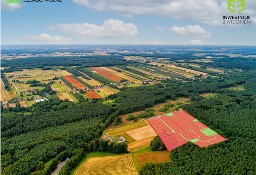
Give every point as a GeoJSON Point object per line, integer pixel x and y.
{"type": "Point", "coordinates": [121, 139]}
{"type": "Point", "coordinates": [40, 99]}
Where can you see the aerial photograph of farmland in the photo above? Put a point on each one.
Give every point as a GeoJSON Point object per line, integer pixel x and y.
{"type": "Point", "coordinates": [128, 88]}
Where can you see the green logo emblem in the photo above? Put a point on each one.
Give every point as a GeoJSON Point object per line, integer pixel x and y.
{"type": "Point", "coordinates": [236, 6]}
{"type": "Point", "coordinates": [12, 1]}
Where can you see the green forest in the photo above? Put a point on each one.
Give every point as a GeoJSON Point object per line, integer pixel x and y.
{"type": "Point", "coordinates": [35, 139]}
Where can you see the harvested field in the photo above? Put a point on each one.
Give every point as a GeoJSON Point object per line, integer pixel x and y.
{"type": "Point", "coordinates": [91, 82]}
{"type": "Point", "coordinates": [61, 89]}
{"type": "Point", "coordinates": [106, 74]}
{"type": "Point", "coordinates": [131, 73]}
{"type": "Point", "coordinates": [74, 82]}
{"type": "Point", "coordinates": [138, 145]}
{"type": "Point", "coordinates": [63, 96]}
{"type": "Point", "coordinates": [215, 70]}
{"type": "Point", "coordinates": [151, 157]}
{"type": "Point", "coordinates": [91, 94]}
{"type": "Point", "coordinates": [23, 104]}
{"type": "Point", "coordinates": [177, 128]}
{"type": "Point", "coordinates": [142, 133]}
{"type": "Point", "coordinates": [122, 75]}
{"type": "Point", "coordinates": [108, 90]}
{"type": "Point", "coordinates": [182, 68]}
{"type": "Point", "coordinates": [126, 128]}
{"type": "Point", "coordinates": [4, 93]}
{"type": "Point", "coordinates": [108, 165]}
{"type": "Point", "coordinates": [148, 72]}
{"type": "Point", "coordinates": [208, 95]}
{"type": "Point", "coordinates": [44, 76]}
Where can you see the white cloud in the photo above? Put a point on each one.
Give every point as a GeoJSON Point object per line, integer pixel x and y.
{"type": "Point", "coordinates": [9, 6]}
{"type": "Point", "coordinates": [111, 28]}
{"type": "Point", "coordinates": [192, 31]}
{"type": "Point", "coordinates": [47, 39]}
{"type": "Point", "coordinates": [196, 42]}
{"type": "Point", "coordinates": [206, 11]}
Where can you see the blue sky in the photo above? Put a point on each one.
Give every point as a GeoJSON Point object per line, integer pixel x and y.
{"type": "Point", "coordinates": [194, 22]}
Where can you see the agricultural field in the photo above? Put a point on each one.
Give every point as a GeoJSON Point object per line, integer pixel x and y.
{"type": "Point", "coordinates": [122, 75]}
{"type": "Point", "coordinates": [44, 76]}
{"type": "Point", "coordinates": [106, 74]}
{"type": "Point", "coordinates": [91, 94]}
{"type": "Point", "coordinates": [107, 165]}
{"type": "Point", "coordinates": [106, 90]}
{"type": "Point", "coordinates": [4, 93]}
{"type": "Point", "coordinates": [91, 82]}
{"type": "Point", "coordinates": [63, 91]}
{"type": "Point", "coordinates": [150, 157]}
{"type": "Point", "coordinates": [74, 82]}
{"type": "Point", "coordinates": [138, 134]}
{"type": "Point", "coordinates": [178, 128]}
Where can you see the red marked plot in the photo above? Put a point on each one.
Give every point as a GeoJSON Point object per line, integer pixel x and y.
{"type": "Point", "coordinates": [74, 82]}
{"type": "Point", "coordinates": [106, 74]}
{"type": "Point", "coordinates": [180, 128]}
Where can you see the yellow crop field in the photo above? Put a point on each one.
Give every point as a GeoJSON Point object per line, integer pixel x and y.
{"type": "Point", "coordinates": [108, 165]}
{"type": "Point", "coordinates": [151, 157]}
{"type": "Point", "coordinates": [126, 128]}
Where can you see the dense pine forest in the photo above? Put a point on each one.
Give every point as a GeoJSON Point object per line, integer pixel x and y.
{"type": "Point", "coordinates": [34, 139]}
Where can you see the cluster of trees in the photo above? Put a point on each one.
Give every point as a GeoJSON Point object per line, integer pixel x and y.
{"type": "Point", "coordinates": [30, 138]}
{"type": "Point", "coordinates": [157, 144]}
{"type": "Point", "coordinates": [83, 61]}
{"type": "Point", "coordinates": [34, 83]}
{"type": "Point", "coordinates": [5, 81]}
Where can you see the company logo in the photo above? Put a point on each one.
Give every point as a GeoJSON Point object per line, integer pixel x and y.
{"type": "Point", "coordinates": [12, 1]}
{"type": "Point", "coordinates": [236, 6]}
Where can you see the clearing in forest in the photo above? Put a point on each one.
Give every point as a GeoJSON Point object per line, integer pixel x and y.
{"type": "Point", "coordinates": [151, 157]}
{"type": "Point", "coordinates": [142, 133]}
{"type": "Point", "coordinates": [177, 128]}
{"type": "Point", "coordinates": [108, 165]}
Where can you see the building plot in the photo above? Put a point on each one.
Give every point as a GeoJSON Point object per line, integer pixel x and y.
{"type": "Point", "coordinates": [106, 74]}
{"type": "Point", "coordinates": [177, 128]}
{"type": "Point", "coordinates": [74, 82]}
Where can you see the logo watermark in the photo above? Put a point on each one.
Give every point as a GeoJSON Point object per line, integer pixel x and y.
{"type": "Point", "coordinates": [236, 6]}
{"type": "Point", "coordinates": [12, 1]}
{"type": "Point", "coordinates": [19, 1]}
